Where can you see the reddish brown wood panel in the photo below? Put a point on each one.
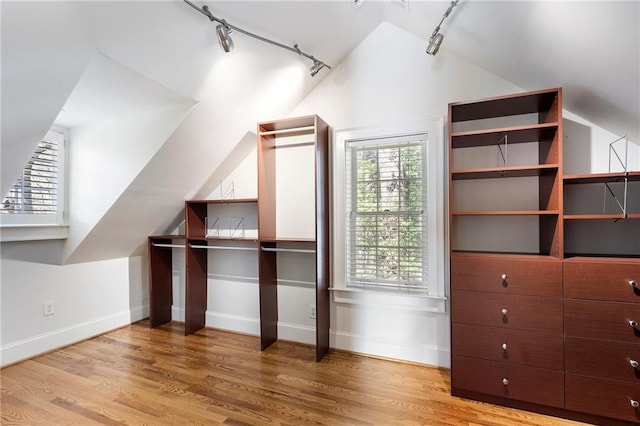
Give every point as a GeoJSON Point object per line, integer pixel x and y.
{"type": "Point", "coordinates": [266, 186]}
{"type": "Point", "coordinates": [600, 279]}
{"type": "Point", "coordinates": [533, 313]}
{"type": "Point", "coordinates": [195, 214]}
{"type": "Point", "coordinates": [195, 288]}
{"type": "Point", "coordinates": [529, 384]}
{"type": "Point", "coordinates": [160, 277]}
{"type": "Point", "coordinates": [268, 276]}
{"type": "Point", "coordinates": [524, 274]}
{"type": "Point", "coordinates": [603, 397]}
{"type": "Point", "coordinates": [528, 348]}
{"type": "Point", "coordinates": [322, 239]}
{"type": "Point", "coordinates": [602, 320]}
{"type": "Point", "coordinates": [603, 358]}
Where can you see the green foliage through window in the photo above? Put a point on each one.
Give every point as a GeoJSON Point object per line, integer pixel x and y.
{"type": "Point", "coordinates": [387, 217]}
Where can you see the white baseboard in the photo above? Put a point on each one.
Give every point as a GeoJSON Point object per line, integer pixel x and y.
{"type": "Point", "coordinates": [42, 343]}
{"type": "Point", "coordinates": [387, 348]}
{"type": "Point", "coordinates": [297, 333]}
{"type": "Point", "coordinates": [236, 323]}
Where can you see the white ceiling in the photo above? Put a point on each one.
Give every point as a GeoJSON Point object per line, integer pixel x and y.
{"type": "Point", "coordinates": [590, 48]}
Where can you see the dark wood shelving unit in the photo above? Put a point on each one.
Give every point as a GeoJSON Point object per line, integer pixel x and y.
{"type": "Point", "coordinates": [194, 242]}
{"type": "Point", "coordinates": [512, 298]}
{"type": "Point", "coordinates": [271, 243]}
{"type": "Point", "coordinates": [568, 312]}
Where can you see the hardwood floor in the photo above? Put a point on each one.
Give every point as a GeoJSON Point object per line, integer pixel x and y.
{"type": "Point", "coordinates": [138, 375]}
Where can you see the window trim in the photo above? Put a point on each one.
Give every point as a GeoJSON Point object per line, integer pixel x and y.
{"type": "Point", "coordinates": [435, 301]}
{"type": "Point", "coordinates": [30, 227]}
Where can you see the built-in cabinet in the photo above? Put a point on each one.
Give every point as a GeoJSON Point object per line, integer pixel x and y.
{"type": "Point", "coordinates": [285, 221]}
{"type": "Point", "coordinates": [544, 267]}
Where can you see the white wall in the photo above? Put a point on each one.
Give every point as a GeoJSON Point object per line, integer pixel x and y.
{"type": "Point", "coordinates": [90, 299]}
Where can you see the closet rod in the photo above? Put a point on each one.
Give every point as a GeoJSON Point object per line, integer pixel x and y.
{"type": "Point", "coordinates": [223, 247]}
{"type": "Point", "coordinates": [287, 250]}
{"type": "Point", "coordinates": [169, 245]}
{"type": "Point", "coordinates": [283, 131]}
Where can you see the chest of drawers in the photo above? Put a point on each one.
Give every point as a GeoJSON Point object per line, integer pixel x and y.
{"type": "Point", "coordinates": [602, 337]}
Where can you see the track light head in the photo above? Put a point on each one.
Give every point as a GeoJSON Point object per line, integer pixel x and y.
{"type": "Point", "coordinates": [316, 67]}
{"type": "Point", "coordinates": [436, 36]}
{"type": "Point", "coordinates": [434, 44]}
{"type": "Point", "coordinates": [224, 37]}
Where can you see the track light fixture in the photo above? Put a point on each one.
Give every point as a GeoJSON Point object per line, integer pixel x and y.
{"type": "Point", "coordinates": [224, 29]}
{"type": "Point", "coordinates": [436, 37]}
{"type": "Point", "coordinates": [224, 37]}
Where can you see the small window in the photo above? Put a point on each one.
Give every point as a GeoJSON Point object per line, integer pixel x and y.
{"type": "Point", "coordinates": [37, 196]}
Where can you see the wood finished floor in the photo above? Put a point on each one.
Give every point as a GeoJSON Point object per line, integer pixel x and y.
{"type": "Point", "coordinates": [136, 375]}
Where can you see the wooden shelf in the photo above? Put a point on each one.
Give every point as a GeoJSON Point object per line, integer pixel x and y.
{"type": "Point", "coordinates": [593, 178]}
{"type": "Point", "coordinates": [504, 213]}
{"type": "Point", "coordinates": [500, 106]}
{"type": "Point", "coordinates": [504, 172]}
{"type": "Point", "coordinates": [247, 240]}
{"type": "Point", "coordinates": [593, 216]}
{"type": "Point", "coordinates": [516, 134]}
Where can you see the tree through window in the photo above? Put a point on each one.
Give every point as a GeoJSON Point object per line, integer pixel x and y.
{"type": "Point", "coordinates": [385, 203]}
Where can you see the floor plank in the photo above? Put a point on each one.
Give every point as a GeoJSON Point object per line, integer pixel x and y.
{"type": "Point", "coordinates": [137, 375]}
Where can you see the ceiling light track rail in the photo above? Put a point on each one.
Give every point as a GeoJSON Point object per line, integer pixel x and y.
{"type": "Point", "coordinates": [224, 29]}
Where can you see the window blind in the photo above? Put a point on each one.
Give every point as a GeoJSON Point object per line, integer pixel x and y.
{"type": "Point", "coordinates": [36, 189]}
{"type": "Point", "coordinates": [387, 221]}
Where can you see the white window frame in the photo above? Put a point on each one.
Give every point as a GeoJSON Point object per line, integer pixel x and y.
{"type": "Point", "coordinates": [436, 284]}
{"type": "Point", "coordinates": [29, 226]}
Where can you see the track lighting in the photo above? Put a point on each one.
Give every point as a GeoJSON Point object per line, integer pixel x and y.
{"type": "Point", "coordinates": [224, 29]}
{"type": "Point", "coordinates": [224, 37]}
{"type": "Point", "coordinates": [436, 37]}
{"type": "Point", "coordinates": [434, 44]}
{"type": "Point", "coordinates": [316, 67]}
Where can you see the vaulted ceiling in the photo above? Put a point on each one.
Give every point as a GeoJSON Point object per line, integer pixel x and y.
{"type": "Point", "coordinates": [53, 49]}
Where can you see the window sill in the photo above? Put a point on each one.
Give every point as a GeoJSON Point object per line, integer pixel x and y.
{"type": "Point", "coordinates": [417, 302]}
{"type": "Point", "coordinates": [14, 233]}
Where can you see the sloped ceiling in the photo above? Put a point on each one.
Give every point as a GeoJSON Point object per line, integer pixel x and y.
{"type": "Point", "coordinates": [590, 48]}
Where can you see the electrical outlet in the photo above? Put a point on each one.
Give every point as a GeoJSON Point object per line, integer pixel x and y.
{"type": "Point", "coordinates": [49, 308]}
{"type": "Point", "coordinates": [312, 311]}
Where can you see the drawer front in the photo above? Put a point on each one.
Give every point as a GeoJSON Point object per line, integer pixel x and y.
{"type": "Point", "coordinates": [613, 360]}
{"type": "Point", "coordinates": [543, 314]}
{"type": "Point", "coordinates": [534, 276]}
{"type": "Point", "coordinates": [602, 320]}
{"type": "Point", "coordinates": [517, 382]}
{"type": "Point", "coordinates": [603, 397]}
{"type": "Point", "coordinates": [520, 347]}
{"type": "Point", "coordinates": [603, 280]}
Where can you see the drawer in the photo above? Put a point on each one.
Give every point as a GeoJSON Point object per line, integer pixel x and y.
{"type": "Point", "coordinates": [520, 347]}
{"type": "Point", "coordinates": [613, 360]}
{"type": "Point", "coordinates": [602, 320]}
{"type": "Point", "coordinates": [522, 274]}
{"type": "Point", "coordinates": [603, 397]}
{"type": "Point", "coordinates": [517, 382]}
{"type": "Point", "coordinates": [535, 313]}
{"type": "Point", "coordinates": [603, 279]}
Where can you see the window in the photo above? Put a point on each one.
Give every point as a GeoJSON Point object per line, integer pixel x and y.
{"type": "Point", "coordinates": [386, 224]}
{"type": "Point", "coordinates": [388, 216]}
{"type": "Point", "coordinates": [37, 195]}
